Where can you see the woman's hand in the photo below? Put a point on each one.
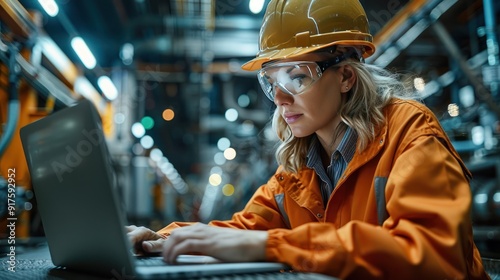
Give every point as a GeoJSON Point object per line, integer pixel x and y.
{"type": "Point", "coordinates": [226, 244]}
{"type": "Point", "coordinates": [144, 240]}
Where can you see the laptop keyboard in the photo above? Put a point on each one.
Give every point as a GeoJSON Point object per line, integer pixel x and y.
{"type": "Point", "coordinates": [158, 261]}
{"type": "Point", "coordinates": [149, 261]}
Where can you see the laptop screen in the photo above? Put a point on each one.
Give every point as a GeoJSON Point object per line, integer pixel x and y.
{"type": "Point", "coordinates": [74, 186]}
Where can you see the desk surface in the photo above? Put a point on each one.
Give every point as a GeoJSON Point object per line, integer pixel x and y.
{"type": "Point", "coordinates": [34, 262]}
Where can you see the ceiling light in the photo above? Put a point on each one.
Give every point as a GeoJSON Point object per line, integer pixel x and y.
{"type": "Point", "coordinates": [256, 6]}
{"type": "Point", "coordinates": [107, 87]}
{"type": "Point", "coordinates": [50, 7]}
{"type": "Point", "coordinates": [83, 52]}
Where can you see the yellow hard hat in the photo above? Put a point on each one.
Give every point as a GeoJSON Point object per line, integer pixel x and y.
{"type": "Point", "coordinates": [295, 27]}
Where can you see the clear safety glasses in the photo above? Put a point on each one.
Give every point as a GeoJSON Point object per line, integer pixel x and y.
{"type": "Point", "coordinates": [293, 77]}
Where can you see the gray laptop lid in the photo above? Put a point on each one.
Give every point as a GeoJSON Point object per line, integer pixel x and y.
{"type": "Point", "coordinates": [74, 187]}
{"type": "Point", "coordinates": [78, 201]}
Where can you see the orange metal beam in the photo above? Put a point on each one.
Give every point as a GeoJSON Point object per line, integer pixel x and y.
{"type": "Point", "coordinates": [14, 15]}
{"type": "Point", "coordinates": [388, 30]}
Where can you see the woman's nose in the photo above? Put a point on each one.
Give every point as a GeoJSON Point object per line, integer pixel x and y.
{"type": "Point", "coordinates": [281, 97]}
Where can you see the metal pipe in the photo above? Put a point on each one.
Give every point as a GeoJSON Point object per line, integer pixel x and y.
{"type": "Point", "coordinates": [492, 47]}
{"type": "Point", "coordinates": [490, 26]}
{"type": "Point", "coordinates": [42, 80]}
{"type": "Point", "coordinates": [13, 106]}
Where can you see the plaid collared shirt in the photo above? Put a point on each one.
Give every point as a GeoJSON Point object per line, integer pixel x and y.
{"type": "Point", "coordinates": [338, 161]}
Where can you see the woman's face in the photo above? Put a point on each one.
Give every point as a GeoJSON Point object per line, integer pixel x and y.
{"type": "Point", "coordinates": [315, 110]}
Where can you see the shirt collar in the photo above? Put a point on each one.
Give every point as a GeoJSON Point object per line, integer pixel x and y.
{"type": "Point", "coordinates": [346, 148]}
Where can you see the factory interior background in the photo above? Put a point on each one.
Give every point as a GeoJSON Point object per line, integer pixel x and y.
{"type": "Point", "coordinates": [188, 130]}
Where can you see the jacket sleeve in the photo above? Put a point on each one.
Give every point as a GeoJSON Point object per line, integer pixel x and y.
{"type": "Point", "coordinates": [428, 234]}
{"type": "Point", "coordinates": [260, 213]}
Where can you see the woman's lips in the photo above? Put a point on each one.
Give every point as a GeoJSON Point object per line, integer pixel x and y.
{"type": "Point", "coordinates": [291, 118]}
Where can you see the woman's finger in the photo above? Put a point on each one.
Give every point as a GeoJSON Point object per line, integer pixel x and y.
{"type": "Point", "coordinates": [153, 246]}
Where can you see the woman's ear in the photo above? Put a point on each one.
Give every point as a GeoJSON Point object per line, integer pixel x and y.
{"type": "Point", "coordinates": [348, 78]}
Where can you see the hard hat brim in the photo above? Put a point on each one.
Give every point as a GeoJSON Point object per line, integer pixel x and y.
{"type": "Point", "coordinates": [270, 55]}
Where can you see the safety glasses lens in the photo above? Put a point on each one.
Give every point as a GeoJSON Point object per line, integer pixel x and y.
{"type": "Point", "coordinates": [292, 77]}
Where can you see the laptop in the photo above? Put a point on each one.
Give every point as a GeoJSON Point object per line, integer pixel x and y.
{"type": "Point", "coordinates": [80, 207]}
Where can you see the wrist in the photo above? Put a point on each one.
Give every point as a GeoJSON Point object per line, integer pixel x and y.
{"type": "Point", "coordinates": [260, 245]}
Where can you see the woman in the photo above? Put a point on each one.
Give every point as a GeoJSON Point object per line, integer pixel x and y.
{"type": "Point", "coordinates": [369, 185]}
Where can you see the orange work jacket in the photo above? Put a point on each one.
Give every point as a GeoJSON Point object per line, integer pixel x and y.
{"type": "Point", "coordinates": [401, 210]}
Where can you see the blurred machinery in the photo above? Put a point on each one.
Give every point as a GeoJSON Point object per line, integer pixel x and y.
{"type": "Point", "coordinates": [33, 84]}
{"type": "Point", "coordinates": [197, 178]}
{"type": "Point", "coordinates": [36, 79]}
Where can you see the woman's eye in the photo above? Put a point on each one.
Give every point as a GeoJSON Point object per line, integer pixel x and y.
{"type": "Point", "coordinates": [300, 81]}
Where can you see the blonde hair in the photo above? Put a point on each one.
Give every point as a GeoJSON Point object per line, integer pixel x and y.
{"type": "Point", "coordinates": [374, 88]}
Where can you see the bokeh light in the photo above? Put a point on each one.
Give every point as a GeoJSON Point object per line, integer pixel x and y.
{"type": "Point", "coordinates": [228, 190]}
{"type": "Point", "coordinates": [168, 114]}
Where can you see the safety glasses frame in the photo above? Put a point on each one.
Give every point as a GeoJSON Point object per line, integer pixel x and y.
{"type": "Point", "coordinates": [322, 66]}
